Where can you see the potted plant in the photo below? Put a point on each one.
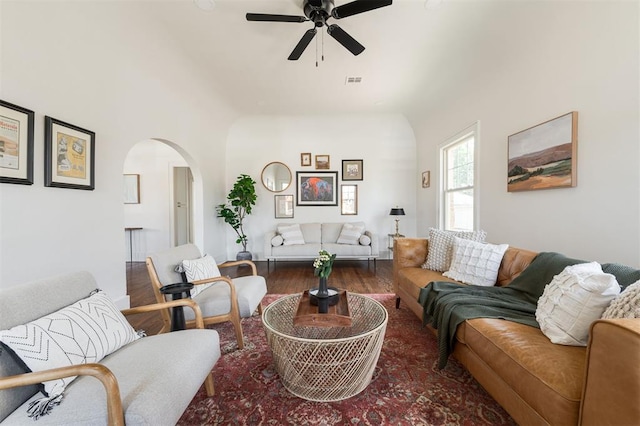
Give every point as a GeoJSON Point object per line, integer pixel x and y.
{"type": "Point", "coordinates": [240, 201]}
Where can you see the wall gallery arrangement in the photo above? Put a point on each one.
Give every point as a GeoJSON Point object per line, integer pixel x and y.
{"type": "Point", "coordinates": [318, 188]}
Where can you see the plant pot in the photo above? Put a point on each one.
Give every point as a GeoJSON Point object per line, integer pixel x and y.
{"type": "Point", "coordinates": [244, 255]}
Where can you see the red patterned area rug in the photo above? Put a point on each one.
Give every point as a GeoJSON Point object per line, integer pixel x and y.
{"type": "Point", "coordinates": [406, 389]}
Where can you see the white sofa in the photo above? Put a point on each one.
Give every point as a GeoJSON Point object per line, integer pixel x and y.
{"type": "Point", "coordinates": [320, 236]}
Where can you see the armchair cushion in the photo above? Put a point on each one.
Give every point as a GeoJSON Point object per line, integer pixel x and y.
{"type": "Point", "coordinates": [200, 269]}
{"type": "Point", "coordinates": [84, 332]}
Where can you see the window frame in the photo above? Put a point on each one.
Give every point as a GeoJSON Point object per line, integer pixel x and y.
{"type": "Point", "coordinates": [472, 130]}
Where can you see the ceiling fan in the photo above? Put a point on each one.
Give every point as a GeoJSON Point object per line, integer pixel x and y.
{"type": "Point", "coordinates": [318, 12]}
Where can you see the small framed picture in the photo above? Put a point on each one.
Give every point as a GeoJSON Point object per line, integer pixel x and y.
{"type": "Point", "coordinates": [16, 144]}
{"type": "Point", "coordinates": [352, 169]}
{"type": "Point", "coordinates": [322, 162]}
{"type": "Point", "coordinates": [305, 159]}
{"type": "Point", "coordinates": [131, 189]}
{"type": "Point", "coordinates": [426, 179]}
{"type": "Point", "coordinates": [283, 206]}
{"type": "Point", "coordinates": [349, 199]}
{"type": "Point", "coordinates": [69, 153]}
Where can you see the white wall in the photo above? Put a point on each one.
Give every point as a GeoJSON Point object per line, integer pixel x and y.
{"type": "Point", "coordinates": [101, 66]}
{"type": "Point", "coordinates": [550, 58]}
{"type": "Point", "coordinates": [153, 161]}
{"type": "Point", "coordinates": [385, 142]}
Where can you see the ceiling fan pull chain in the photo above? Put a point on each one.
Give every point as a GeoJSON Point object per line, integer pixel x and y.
{"type": "Point", "coordinates": [322, 32]}
{"type": "Point", "coordinates": [316, 53]}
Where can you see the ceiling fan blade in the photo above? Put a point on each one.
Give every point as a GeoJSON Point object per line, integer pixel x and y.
{"type": "Point", "coordinates": [302, 44]}
{"type": "Point", "coordinates": [358, 6]}
{"type": "Point", "coordinates": [265, 17]}
{"type": "Point", "coordinates": [345, 39]}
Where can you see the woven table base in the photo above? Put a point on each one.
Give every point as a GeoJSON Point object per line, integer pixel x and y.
{"type": "Point", "coordinates": [325, 363]}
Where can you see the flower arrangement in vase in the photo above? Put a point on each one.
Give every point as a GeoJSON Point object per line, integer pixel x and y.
{"type": "Point", "coordinates": [323, 296]}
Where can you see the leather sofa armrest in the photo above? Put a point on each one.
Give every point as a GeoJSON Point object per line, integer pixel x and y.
{"type": "Point", "coordinates": [267, 243]}
{"type": "Point", "coordinates": [408, 253]}
{"type": "Point", "coordinates": [612, 380]}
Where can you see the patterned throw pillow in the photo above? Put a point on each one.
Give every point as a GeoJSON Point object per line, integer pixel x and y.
{"type": "Point", "coordinates": [627, 305]}
{"type": "Point", "coordinates": [441, 246]}
{"type": "Point", "coordinates": [81, 333]}
{"type": "Point", "coordinates": [291, 234]}
{"type": "Point", "coordinates": [475, 263]}
{"type": "Point", "coordinates": [200, 269]}
{"type": "Point", "coordinates": [350, 234]}
{"type": "Point", "coordinates": [573, 300]}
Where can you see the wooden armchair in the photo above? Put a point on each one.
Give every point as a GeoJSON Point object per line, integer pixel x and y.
{"type": "Point", "coordinates": [229, 299]}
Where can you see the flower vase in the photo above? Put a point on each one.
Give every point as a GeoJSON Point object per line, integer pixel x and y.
{"type": "Point", "coordinates": [323, 296]}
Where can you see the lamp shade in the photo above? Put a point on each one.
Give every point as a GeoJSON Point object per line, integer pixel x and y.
{"type": "Point", "coordinates": [396, 211]}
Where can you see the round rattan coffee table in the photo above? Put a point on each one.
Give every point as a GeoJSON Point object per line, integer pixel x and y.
{"type": "Point", "coordinates": [325, 363]}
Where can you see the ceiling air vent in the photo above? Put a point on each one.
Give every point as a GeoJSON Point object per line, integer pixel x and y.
{"type": "Point", "coordinates": [353, 80]}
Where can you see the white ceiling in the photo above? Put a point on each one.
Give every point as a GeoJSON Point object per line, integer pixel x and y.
{"type": "Point", "coordinates": [414, 54]}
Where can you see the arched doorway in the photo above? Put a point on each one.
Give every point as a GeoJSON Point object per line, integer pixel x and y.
{"type": "Point", "coordinates": [168, 211]}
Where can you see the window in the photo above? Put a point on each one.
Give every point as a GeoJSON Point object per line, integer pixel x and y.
{"type": "Point", "coordinates": [458, 201]}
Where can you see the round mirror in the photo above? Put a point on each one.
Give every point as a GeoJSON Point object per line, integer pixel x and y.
{"type": "Point", "coordinates": [276, 176]}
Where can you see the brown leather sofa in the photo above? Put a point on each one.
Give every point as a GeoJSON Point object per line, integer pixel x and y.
{"type": "Point", "coordinates": [536, 382]}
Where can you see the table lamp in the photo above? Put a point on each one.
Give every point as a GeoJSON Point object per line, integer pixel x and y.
{"type": "Point", "coordinates": [397, 211]}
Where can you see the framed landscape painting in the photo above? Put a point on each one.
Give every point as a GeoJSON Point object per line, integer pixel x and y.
{"type": "Point", "coordinates": [544, 156]}
{"type": "Point", "coordinates": [316, 188]}
{"type": "Point", "coordinates": [16, 144]}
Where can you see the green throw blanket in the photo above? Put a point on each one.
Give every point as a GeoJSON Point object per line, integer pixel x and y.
{"type": "Point", "coordinates": [446, 304]}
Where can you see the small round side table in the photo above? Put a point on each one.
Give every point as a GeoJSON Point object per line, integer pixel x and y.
{"type": "Point", "coordinates": [177, 291]}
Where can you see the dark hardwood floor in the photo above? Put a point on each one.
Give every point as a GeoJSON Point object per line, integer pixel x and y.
{"type": "Point", "coordinates": [282, 278]}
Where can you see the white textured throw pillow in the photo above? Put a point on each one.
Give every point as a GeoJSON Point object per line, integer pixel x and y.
{"type": "Point", "coordinates": [81, 333]}
{"type": "Point", "coordinates": [350, 234]}
{"type": "Point", "coordinates": [475, 263]}
{"type": "Point", "coordinates": [200, 269]}
{"type": "Point", "coordinates": [441, 245]}
{"type": "Point", "coordinates": [573, 300]}
{"type": "Point", "coordinates": [627, 305]}
{"type": "Point", "coordinates": [291, 234]}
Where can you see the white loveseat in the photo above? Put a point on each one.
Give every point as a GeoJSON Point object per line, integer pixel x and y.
{"type": "Point", "coordinates": [320, 236]}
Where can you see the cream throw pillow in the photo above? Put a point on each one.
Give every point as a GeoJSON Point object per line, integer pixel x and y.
{"type": "Point", "coordinates": [350, 234]}
{"type": "Point", "coordinates": [291, 234]}
{"type": "Point", "coordinates": [627, 305]}
{"type": "Point", "coordinates": [200, 269]}
{"type": "Point", "coordinates": [573, 300]}
{"type": "Point", "coordinates": [475, 263]}
{"type": "Point", "coordinates": [441, 246]}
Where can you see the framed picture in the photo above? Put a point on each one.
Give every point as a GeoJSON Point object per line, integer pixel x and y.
{"type": "Point", "coordinates": [131, 189]}
{"type": "Point", "coordinates": [349, 199]}
{"type": "Point", "coordinates": [351, 169]}
{"type": "Point", "coordinates": [305, 159]}
{"type": "Point", "coordinates": [316, 188]}
{"type": "Point", "coordinates": [16, 144]}
{"type": "Point", "coordinates": [69, 154]}
{"type": "Point", "coordinates": [544, 156]}
{"type": "Point", "coordinates": [284, 206]}
{"type": "Point", "coordinates": [322, 162]}
{"type": "Point", "coordinates": [426, 179]}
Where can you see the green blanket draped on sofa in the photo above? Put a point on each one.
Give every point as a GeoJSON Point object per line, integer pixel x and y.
{"type": "Point", "coordinates": [447, 304]}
